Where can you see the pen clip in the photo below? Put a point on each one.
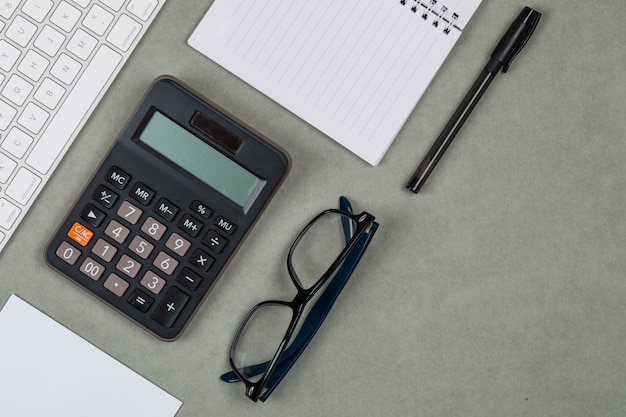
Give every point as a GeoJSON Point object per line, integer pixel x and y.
{"type": "Point", "coordinates": [532, 20]}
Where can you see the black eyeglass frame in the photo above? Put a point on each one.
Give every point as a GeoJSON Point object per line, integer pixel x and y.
{"type": "Point", "coordinates": [363, 221]}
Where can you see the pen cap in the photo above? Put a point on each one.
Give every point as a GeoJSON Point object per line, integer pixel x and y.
{"type": "Point", "coordinates": [516, 37]}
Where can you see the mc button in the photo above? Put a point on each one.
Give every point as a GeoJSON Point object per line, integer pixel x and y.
{"type": "Point", "coordinates": [117, 177]}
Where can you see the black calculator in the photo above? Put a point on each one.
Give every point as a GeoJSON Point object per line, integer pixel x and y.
{"type": "Point", "coordinates": [167, 209]}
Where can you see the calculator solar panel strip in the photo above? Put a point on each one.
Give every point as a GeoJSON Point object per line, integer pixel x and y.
{"type": "Point", "coordinates": [140, 204]}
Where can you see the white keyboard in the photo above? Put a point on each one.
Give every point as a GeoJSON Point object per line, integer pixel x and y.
{"type": "Point", "coordinates": [57, 59]}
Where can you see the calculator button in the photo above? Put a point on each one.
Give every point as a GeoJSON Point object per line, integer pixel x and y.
{"type": "Point", "coordinates": [214, 241]}
{"type": "Point", "coordinates": [104, 250]}
{"type": "Point", "coordinates": [116, 285]}
{"type": "Point", "coordinates": [93, 215]}
{"type": "Point", "coordinates": [141, 247]}
{"type": "Point", "coordinates": [152, 282]}
{"type": "Point", "coordinates": [166, 209]}
{"type": "Point", "coordinates": [153, 228]}
{"type": "Point", "coordinates": [178, 244]}
{"type": "Point", "coordinates": [170, 307]}
{"type": "Point", "coordinates": [165, 263]}
{"type": "Point", "coordinates": [68, 253]}
{"type": "Point", "coordinates": [201, 260]}
{"type": "Point", "coordinates": [226, 225]}
{"type": "Point", "coordinates": [105, 196]}
{"type": "Point", "coordinates": [92, 269]}
{"type": "Point", "coordinates": [142, 193]}
{"type": "Point", "coordinates": [118, 178]}
{"type": "Point", "coordinates": [116, 231]}
{"type": "Point", "coordinates": [129, 266]}
{"type": "Point", "coordinates": [129, 212]}
{"type": "Point", "coordinates": [189, 279]}
{"type": "Point", "coordinates": [140, 300]}
{"type": "Point", "coordinates": [190, 225]}
{"type": "Point", "coordinates": [80, 234]}
{"type": "Point", "coordinates": [201, 209]}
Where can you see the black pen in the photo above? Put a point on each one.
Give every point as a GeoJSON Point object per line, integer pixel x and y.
{"type": "Point", "coordinates": [507, 49]}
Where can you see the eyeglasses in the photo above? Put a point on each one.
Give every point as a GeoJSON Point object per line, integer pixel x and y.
{"type": "Point", "coordinates": [274, 333]}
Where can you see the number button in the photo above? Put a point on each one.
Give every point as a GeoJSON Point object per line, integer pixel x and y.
{"type": "Point", "coordinates": [129, 212]}
{"type": "Point", "coordinates": [92, 269]}
{"type": "Point", "coordinates": [152, 282]}
{"type": "Point", "coordinates": [68, 253]}
{"type": "Point", "coordinates": [117, 232]}
{"type": "Point", "coordinates": [141, 247]}
{"type": "Point", "coordinates": [178, 244]}
{"type": "Point", "coordinates": [153, 228]}
{"type": "Point", "coordinates": [165, 263]}
{"type": "Point", "coordinates": [129, 266]}
{"type": "Point", "coordinates": [104, 250]}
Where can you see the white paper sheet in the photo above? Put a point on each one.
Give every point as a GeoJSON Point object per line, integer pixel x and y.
{"type": "Point", "coordinates": [48, 371]}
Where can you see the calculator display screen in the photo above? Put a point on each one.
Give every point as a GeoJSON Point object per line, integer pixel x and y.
{"type": "Point", "coordinates": [199, 159]}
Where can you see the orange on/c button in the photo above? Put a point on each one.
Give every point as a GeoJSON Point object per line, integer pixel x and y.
{"type": "Point", "coordinates": [80, 234]}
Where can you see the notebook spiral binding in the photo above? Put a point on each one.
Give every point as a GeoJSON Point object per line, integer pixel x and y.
{"type": "Point", "coordinates": [438, 14]}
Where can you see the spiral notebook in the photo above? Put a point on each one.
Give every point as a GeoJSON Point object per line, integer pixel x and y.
{"type": "Point", "coordinates": [353, 69]}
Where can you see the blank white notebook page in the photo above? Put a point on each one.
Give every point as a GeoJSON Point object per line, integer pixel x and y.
{"type": "Point", "coordinates": [48, 371]}
{"type": "Point", "coordinates": [353, 69]}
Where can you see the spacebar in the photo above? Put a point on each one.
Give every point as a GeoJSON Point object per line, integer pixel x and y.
{"type": "Point", "coordinates": [64, 127]}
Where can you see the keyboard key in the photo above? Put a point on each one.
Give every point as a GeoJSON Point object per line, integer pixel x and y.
{"type": "Point", "coordinates": [23, 186]}
{"type": "Point", "coordinates": [8, 55]}
{"type": "Point", "coordinates": [33, 65]}
{"type": "Point", "coordinates": [7, 166]}
{"type": "Point", "coordinates": [114, 4]}
{"type": "Point", "coordinates": [98, 20]}
{"type": "Point", "coordinates": [49, 93]}
{"type": "Point", "coordinates": [7, 7]}
{"type": "Point", "coordinates": [124, 32]}
{"type": "Point", "coordinates": [7, 113]}
{"type": "Point", "coordinates": [17, 142]}
{"type": "Point", "coordinates": [33, 118]}
{"type": "Point", "coordinates": [87, 90]}
{"type": "Point", "coordinates": [21, 31]}
{"type": "Point", "coordinates": [66, 69]}
{"type": "Point", "coordinates": [17, 89]}
{"type": "Point", "coordinates": [37, 9]}
{"type": "Point", "coordinates": [49, 40]}
{"type": "Point", "coordinates": [9, 212]}
{"type": "Point", "coordinates": [82, 44]}
{"type": "Point", "coordinates": [66, 16]}
{"type": "Point", "coordinates": [142, 8]}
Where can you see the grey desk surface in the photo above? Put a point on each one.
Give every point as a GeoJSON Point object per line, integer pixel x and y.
{"type": "Point", "coordinates": [499, 290]}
